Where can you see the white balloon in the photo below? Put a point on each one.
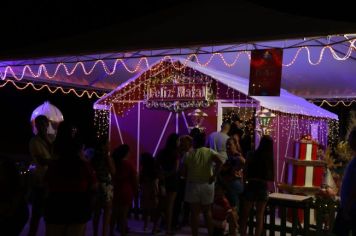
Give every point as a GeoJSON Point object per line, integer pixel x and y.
{"type": "Point", "coordinates": [50, 111]}
{"type": "Point", "coordinates": [53, 114]}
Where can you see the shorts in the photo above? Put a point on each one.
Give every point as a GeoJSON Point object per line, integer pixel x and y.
{"type": "Point", "coordinates": [235, 188]}
{"type": "Point", "coordinates": [255, 191]}
{"type": "Point", "coordinates": [202, 193]}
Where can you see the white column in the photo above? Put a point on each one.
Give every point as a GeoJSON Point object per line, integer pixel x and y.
{"type": "Point", "coordinates": [138, 135]}
{"type": "Point", "coordinates": [309, 169]}
{"type": "Point", "coordinates": [177, 123]}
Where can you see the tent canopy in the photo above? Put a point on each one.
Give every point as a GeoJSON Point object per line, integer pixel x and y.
{"type": "Point", "coordinates": [286, 102]}
{"type": "Point", "coordinates": [317, 67]}
{"type": "Point", "coordinates": [92, 27]}
{"type": "Point", "coordinates": [178, 28]}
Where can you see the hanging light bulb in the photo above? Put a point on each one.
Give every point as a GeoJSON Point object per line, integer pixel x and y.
{"type": "Point", "coordinates": [197, 118]}
{"type": "Point", "coordinates": [265, 118]}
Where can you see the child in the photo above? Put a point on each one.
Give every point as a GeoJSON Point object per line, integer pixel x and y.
{"type": "Point", "coordinates": [327, 197]}
{"type": "Point", "coordinates": [149, 187]}
{"type": "Point", "coordinates": [125, 187]}
{"type": "Point", "coordinates": [221, 211]}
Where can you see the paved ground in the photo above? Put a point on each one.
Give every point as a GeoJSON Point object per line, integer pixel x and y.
{"type": "Point", "coordinates": [136, 229]}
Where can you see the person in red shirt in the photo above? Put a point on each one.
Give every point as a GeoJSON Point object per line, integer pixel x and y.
{"type": "Point", "coordinates": [125, 187]}
{"type": "Point", "coordinates": [221, 211]}
{"type": "Point", "coordinates": [71, 183]}
{"type": "Point", "coordinates": [149, 187]}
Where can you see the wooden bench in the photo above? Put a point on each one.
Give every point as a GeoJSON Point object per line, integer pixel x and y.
{"type": "Point", "coordinates": [283, 202]}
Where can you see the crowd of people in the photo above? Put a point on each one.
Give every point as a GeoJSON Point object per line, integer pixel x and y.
{"type": "Point", "coordinates": [71, 184]}
{"type": "Point", "coordinates": [220, 176]}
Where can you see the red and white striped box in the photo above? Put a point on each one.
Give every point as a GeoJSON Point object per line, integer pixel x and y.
{"type": "Point", "coordinates": [305, 175]}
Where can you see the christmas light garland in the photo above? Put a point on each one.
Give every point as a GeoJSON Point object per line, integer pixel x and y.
{"type": "Point", "coordinates": [53, 90]}
{"type": "Point", "coordinates": [42, 68]}
{"type": "Point", "coordinates": [337, 103]}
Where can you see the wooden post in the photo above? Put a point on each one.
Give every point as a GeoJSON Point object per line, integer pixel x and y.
{"type": "Point", "coordinates": [306, 219]}
{"type": "Point", "coordinates": [294, 220]}
{"type": "Point", "coordinates": [272, 220]}
{"type": "Point", "coordinates": [283, 220]}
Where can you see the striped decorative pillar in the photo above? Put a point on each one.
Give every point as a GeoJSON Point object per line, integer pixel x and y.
{"type": "Point", "coordinates": [304, 169]}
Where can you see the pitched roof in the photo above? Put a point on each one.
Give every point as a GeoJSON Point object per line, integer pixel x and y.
{"type": "Point", "coordinates": [286, 102]}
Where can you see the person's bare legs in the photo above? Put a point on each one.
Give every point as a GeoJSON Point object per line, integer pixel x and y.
{"type": "Point", "coordinates": [123, 212]}
{"type": "Point", "coordinates": [208, 218]}
{"type": "Point", "coordinates": [96, 218]}
{"type": "Point", "coordinates": [113, 220]}
{"type": "Point", "coordinates": [246, 207]}
{"type": "Point", "coordinates": [186, 213]}
{"type": "Point", "coordinates": [157, 214]}
{"type": "Point", "coordinates": [171, 196]}
{"type": "Point", "coordinates": [260, 211]}
{"type": "Point", "coordinates": [34, 222]}
{"type": "Point", "coordinates": [145, 218]}
{"type": "Point", "coordinates": [106, 217]}
{"type": "Point", "coordinates": [232, 220]}
{"type": "Point", "coordinates": [136, 206]}
{"type": "Point", "coordinates": [195, 212]}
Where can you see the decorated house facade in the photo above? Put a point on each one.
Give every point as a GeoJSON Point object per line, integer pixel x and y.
{"type": "Point", "coordinates": [175, 95]}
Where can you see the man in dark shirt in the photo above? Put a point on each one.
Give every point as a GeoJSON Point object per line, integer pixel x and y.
{"type": "Point", "coordinates": [41, 153]}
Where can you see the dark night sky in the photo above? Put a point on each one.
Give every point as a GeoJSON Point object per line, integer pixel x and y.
{"type": "Point", "coordinates": [16, 109]}
{"type": "Point", "coordinates": [27, 24]}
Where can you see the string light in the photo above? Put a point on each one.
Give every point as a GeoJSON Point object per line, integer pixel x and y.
{"type": "Point", "coordinates": [101, 122]}
{"type": "Point", "coordinates": [300, 125]}
{"type": "Point", "coordinates": [321, 55]}
{"type": "Point", "coordinates": [42, 69]}
{"type": "Point", "coordinates": [130, 92]}
{"type": "Point", "coordinates": [333, 134]}
{"type": "Point", "coordinates": [53, 90]}
{"type": "Point", "coordinates": [346, 103]}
